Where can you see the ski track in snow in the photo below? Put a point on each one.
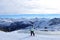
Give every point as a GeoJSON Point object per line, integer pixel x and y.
{"type": "Point", "coordinates": [26, 36]}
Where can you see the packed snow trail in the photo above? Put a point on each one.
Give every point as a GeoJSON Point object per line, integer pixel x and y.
{"type": "Point", "coordinates": [26, 36]}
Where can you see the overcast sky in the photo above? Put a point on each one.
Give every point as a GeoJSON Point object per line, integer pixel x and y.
{"type": "Point", "coordinates": [29, 7]}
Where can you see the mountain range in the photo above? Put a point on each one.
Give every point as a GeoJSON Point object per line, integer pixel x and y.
{"type": "Point", "coordinates": [10, 24]}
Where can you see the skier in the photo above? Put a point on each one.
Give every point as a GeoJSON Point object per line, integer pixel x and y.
{"type": "Point", "coordinates": [32, 32]}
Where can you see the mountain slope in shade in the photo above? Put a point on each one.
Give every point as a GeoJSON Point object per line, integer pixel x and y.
{"type": "Point", "coordinates": [38, 23]}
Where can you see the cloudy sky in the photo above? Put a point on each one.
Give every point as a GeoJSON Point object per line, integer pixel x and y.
{"type": "Point", "coordinates": [29, 7]}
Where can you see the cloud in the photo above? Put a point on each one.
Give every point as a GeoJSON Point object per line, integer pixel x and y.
{"type": "Point", "coordinates": [29, 6]}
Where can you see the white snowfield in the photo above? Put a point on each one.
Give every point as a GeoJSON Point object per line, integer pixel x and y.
{"type": "Point", "coordinates": [18, 35]}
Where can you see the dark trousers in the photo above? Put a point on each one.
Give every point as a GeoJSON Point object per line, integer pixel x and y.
{"type": "Point", "coordinates": [32, 33]}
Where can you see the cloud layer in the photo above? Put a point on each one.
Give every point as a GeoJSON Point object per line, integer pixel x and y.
{"type": "Point", "coordinates": [29, 6]}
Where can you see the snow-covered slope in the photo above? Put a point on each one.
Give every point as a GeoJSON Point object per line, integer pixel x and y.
{"type": "Point", "coordinates": [26, 36]}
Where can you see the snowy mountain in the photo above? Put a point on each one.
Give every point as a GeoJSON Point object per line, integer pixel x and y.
{"type": "Point", "coordinates": [22, 23]}
{"type": "Point", "coordinates": [54, 21]}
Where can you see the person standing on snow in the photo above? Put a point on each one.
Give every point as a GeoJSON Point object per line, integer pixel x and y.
{"type": "Point", "coordinates": [32, 31]}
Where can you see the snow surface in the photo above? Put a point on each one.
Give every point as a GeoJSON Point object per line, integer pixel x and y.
{"type": "Point", "coordinates": [16, 35]}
